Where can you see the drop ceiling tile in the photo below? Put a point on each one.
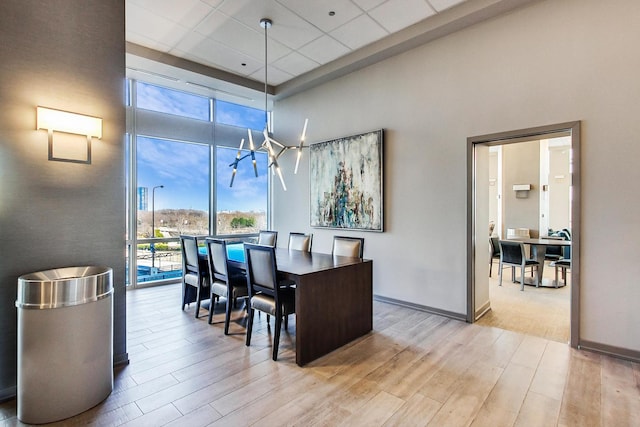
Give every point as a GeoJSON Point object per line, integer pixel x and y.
{"type": "Point", "coordinates": [440, 5]}
{"type": "Point", "coordinates": [236, 35]}
{"type": "Point", "coordinates": [359, 32]}
{"type": "Point", "coordinates": [395, 15]}
{"type": "Point", "coordinates": [187, 13]}
{"type": "Point", "coordinates": [142, 40]}
{"type": "Point", "coordinates": [324, 49]}
{"type": "Point", "coordinates": [275, 76]}
{"type": "Point", "coordinates": [295, 64]}
{"type": "Point", "coordinates": [368, 4]}
{"type": "Point", "coordinates": [288, 28]}
{"type": "Point", "coordinates": [317, 12]}
{"type": "Point", "coordinates": [153, 26]}
{"type": "Point", "coordinates": [203, 50]}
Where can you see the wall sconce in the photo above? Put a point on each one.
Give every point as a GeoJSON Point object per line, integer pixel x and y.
{"type": "Point", "coordinates": [522, 190]}
{"type": "Point", "coordinates": [70, 123]}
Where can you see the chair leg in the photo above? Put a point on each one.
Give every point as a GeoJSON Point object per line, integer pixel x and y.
{"type": "Point", "coordinates": [522, 271]}
{"type": "Point", "coordinates": [538, 278]}
{"type": "Point", "coordinates": [211, 299]}
{"type": "Point", "coordinates": [198, 300]}
{"type": "Point", "coordinates": [500, 274]}
{"type": "Point", "coordinates": [227, 315]}
{"type": "Point", "coordinates": [250, 326]}
{"type": "Point", "coordinates": [276, 336]}
{"type": "Point", "coordinates": [490, 266]}
{"type": "Point", "coordinates": [556, 274]}
{"type": "Point", "coordinates": [184, 295]}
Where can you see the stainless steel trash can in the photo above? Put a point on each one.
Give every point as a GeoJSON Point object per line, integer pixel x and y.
{"type": "Point", "coordinates": [65, 342]}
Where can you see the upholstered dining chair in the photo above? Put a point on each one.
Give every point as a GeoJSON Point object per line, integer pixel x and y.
{"type": "Point", "coordinates": [226, 281]}
{"type": "Point", "coordinates": [348, 246]}
{"type": "Point", "coordinates": [512, 255]}
{"type": "Point", "coordinates": [300, 241]}
{"type": "Point", "coordinates": [267, 237]}
{"type": "Point", "coordinates": [494, 252]}
{"type": "Point", "coordinates": [195, 273]}
{"type": "Point", "coordinates": [266, 293]}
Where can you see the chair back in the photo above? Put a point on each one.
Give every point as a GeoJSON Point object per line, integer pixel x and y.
{"type": "Point", "coordinates": [217, 255]}
{"type": "Point", "coordinates": [261, 269]}
{"type": "Point", "coordinates": [189, 248]}
{"type": "Point", "coordinates": [266, 237]}
{"type": "Point", "coordinates": [348, 246]}
{"type": "Point", "coordinates": [494, 243]}
{"type": "Point", "coordinates": [512, 252]}
{"type": "Point", "coordinates": [300, 241]}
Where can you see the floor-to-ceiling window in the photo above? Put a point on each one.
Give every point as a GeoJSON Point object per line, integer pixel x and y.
{"type": "Point", "coordinates": [180, 148]}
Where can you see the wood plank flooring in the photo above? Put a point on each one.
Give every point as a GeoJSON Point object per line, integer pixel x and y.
{"type": "Point", "coordinates": [414, 369]}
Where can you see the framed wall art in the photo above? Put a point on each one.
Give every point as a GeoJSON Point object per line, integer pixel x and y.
{"type": "Point", "coordinates": [346, 182]}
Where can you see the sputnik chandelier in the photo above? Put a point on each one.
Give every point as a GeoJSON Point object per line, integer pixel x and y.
{"type": "Point", "coordinates": [270, 145]}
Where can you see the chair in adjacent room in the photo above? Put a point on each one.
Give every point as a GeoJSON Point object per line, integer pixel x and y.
{"type": "Point", "coordinates": [512, 254]}
{"type": "Point", "coordinates": [226, 281]}
{"type": "Point", "coordinates": [348, 246]}
{"type": "Point", "coordinates": [267, 237]}
{"type": "Point", "coordinates": [564, 265]}
{"type": "Point", "coordinates": [300, 241]}
{"type": "Point", "coordinates": [494, 252]}
{"type": "Point", "coordinates": [266, 293]}
{"type": "Point", "coordinates": [195, 273]}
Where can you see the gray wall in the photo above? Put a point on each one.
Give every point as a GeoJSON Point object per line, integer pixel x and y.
{"type": "Point", "coordinates": [521, 165]}
{"type": "Point", "coordinates": [67, 55]}
{"type": "Point", "coordinates": [550, 62]}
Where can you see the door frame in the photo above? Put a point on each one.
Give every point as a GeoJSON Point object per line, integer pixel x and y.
{"type": "Point", "coordinates": [561, 129]}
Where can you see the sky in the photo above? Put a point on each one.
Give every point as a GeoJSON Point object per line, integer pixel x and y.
{"type": "Point", "coordinates": [183, 168]}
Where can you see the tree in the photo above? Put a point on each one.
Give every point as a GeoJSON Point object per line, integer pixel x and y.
{"type": "Point", "coordinates": [242, 222]}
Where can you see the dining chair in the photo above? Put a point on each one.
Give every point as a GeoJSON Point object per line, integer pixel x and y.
{"type": "Point", "coordinates": [300, 241]}
{"type": "Point", "coordinates": [266, 293]}
{"type": "Point", "coordinates": [564, 265]}
{"type": "Point", "coordinates": [195, 273]}
{"type": "Point", "coordinates": [494, 252]}
{"type": "Point", "coordinates": [226, 281]}
{"type": "Point", "coordinates": [267, 237]}
{"type": "Point", "coordinates": [348, 246]}
{"type": "Point", "coordinates": [512, 254]}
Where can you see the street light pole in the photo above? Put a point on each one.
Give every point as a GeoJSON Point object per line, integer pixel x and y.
{"type": "Point", "coordinates": [153, 224]}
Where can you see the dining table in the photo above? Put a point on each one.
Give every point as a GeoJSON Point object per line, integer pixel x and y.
{"type": "Point", "coordinates": [538, 251]}
{"type": "Point", "coordinates": [333, 296]}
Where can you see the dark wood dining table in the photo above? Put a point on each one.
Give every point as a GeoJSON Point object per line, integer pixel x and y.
{"type": "Point", "coordinates": [334, 298]}
{"type": "Point", "coordinates": [538, 251]}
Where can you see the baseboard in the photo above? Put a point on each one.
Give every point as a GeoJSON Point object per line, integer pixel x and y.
{"type": "Point", "coordinates": [8, 394]}
{"type": "Point", "coordinates": [121, 359]}
{"type": "Point", "coordinates": [610, 350]}
{"type": "Point", "coordinates": [482, 310]}
{"type": "Point", "coordinates": [420, 307]}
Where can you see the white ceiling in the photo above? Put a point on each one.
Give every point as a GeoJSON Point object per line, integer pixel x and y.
{"type": "Point", "coordinates": [217, 46]}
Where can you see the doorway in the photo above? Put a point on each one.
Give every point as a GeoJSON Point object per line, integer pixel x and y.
{"type": "Point", "coordinates": [478, 190]}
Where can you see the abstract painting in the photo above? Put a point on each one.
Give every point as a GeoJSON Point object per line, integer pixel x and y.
{"type": "Point", "coordinates": [346, 182]}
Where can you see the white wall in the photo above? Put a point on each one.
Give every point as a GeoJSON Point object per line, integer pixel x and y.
{"type": "Point", "coordinates": [550, 62]}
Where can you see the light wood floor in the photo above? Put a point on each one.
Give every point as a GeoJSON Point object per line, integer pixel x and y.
{"type": "Point", "coordinates": [542, 312]}
{"type": "Point", "coordinates": [413, 369]}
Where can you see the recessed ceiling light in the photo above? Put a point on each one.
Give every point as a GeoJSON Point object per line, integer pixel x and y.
{"type": "Point", "coordinates": [244, 64]}
{"type": "Point", "coordinates": [332, 13]}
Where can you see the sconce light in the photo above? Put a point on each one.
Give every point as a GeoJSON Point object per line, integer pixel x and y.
{"type": "Point", "coordinates": [66, 122]}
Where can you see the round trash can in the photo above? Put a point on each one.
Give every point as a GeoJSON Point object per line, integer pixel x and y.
{"type": "Point", "coordinates": [65, 342]}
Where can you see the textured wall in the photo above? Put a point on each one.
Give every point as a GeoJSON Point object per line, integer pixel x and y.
{"type": "Point", "coordinates": [67, 55]}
